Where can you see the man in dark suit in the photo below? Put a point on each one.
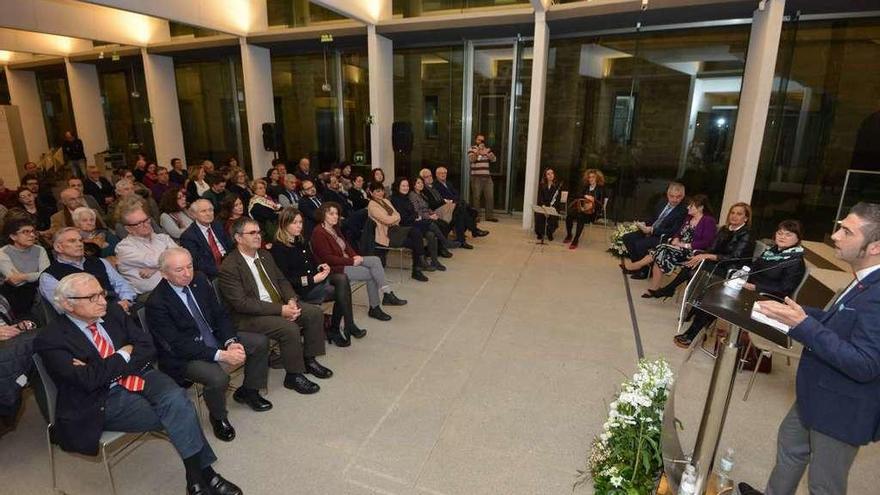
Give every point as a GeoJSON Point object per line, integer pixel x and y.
{"type": "Point", "coordinates": [101, 363]}
{"type": "Point", "coordinates": [262, 300]}
{"type": "Point", "coordinates": [464, 217]}
{"type": "Point", "coordinates": [667, 219]}
{"type": "Point", "coordinates": [205, 239]}
{"type": "Point", "coordinates": [98, 187]}
{"type": "Point", "coordinates": [837, 409]}
{"type": "Point", "coordinates": [308, 206]}
{"type": "Point", "coordinates": [198, 343]}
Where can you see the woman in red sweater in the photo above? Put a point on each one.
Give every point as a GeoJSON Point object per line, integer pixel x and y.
{"type": "Point", "coordinates": [329, 246]}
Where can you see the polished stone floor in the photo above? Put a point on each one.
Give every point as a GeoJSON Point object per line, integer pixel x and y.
{"type": "Point", "coordinates": [493, 380]}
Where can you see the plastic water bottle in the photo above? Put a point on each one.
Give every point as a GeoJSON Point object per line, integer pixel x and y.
{"type": "Point", "coordinates": [688, 485]}
{"type": "Point", "coordinates": [738, 278]}
{"type": "Point", "coordinates": [723, 471]}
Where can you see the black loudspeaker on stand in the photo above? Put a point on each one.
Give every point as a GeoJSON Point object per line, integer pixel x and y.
{"type": "Point", "coordinates": [272, 137]}
{"type": "Point", "coordinates": [402, 143]}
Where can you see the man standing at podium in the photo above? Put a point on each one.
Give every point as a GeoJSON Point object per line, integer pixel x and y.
{"type": "Point", "coordinates": [837, 409]}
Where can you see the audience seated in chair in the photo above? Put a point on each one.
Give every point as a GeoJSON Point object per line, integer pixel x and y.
{"type": "Point", "coordinates": [314, 282]}
{"type": "Point", "coordinates": [97, 186]}
{"type": "Point", "coordinates": [197, 341]}
{"type": "Point", "coordinates": [261, 300]}
{"type": "Point", "coordinates": [101, 363]}
{"type": "Point", "coordinates": [231, 210]}
{"type": "Point", "coordinates": [175, 214]}
{"type": "Point", "coordinates": [463, 217]}
{"type": "Point", "coordinates": [16, 336]}
{"type": "Point", "coordinates": [196, 186]}
{"type": "Point", "coordinates": [592, 192]}
{"type": "Point", "coordinates": [390, 234]}
{"type": "Point", "coordinates": [357, 195]}
{"type": "Point", "coordinates": [71, 199]}
{"type": "Point", "coordinates": [697, 233]}
{"type": "Point", "coordinates": [29, 209]}
{"type": "Point", "coordinates": [240, 186]}
{"type": "Point", "coordinates": [91, 202]}
{"type": "Point", "coordinates": [331, 247]}
{"type": "Point", "coordinates": [205, 239]}
{"type": "Point", "coordinates": [125, 189]}
{"type": "Point", "coordinates": [264, 209]}
{"type": "Point", "coordinates": [290, 196]}
{"type": "Point", "coordinates": [137, 255]}
{"type": "Point", "coordinates": [667, 219]}
{"type": "Point", "coordinates": [216, 193]}
{"type": "Point", "coordinates": [308, 205]}
{"type": "Point", "coordinates": [440, 219]}
{"type": "Point", "coordinates": [435, 241]}
{"type": "Point", "coordinates": [99, 241]}
{"type": "Point", "coordinates": [21, 262]}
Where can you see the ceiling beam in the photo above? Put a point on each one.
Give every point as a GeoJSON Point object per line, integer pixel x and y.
{"type": "Point", "coordinates": [47, 44]}
{"type": "Point", "coordinates": [238, 17]}
{"type": "Point", "coordinates": [82, 20]}
{"type": "Point", "coordinates": [366, 11]}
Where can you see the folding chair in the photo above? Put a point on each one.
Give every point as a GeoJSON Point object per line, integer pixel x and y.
{"type": "Point", "coordinates": [113, 445]}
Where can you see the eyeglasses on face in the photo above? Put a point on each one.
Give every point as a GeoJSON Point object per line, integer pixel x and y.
{"type": "Point", "coordinates": [92, 298]}
{"type": "Point", "coordinates": [26, 232]}
{"type": "Point", "coordinates": [252, 232]}
{"type": "Point", "coordinates": [138, 224]}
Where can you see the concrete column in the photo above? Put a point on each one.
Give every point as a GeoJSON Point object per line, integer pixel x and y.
{"type": "Point", "coordinates": [754, 103]}
{"type": "Point", "coordinates": [540, 52]}
{"type": "Point", "coordinates": [24, 94]}
{"type": "Point", "coordinates": [256, 67]}
{"type": "Point", "coordinates": [380, 57]}
{"type": "Point", "coordinates": [88, 113]}
{"type": "Point", "coordinates": [164, 107]}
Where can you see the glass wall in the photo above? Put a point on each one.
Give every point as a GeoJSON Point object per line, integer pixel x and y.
{"type": "Point", "coordinates": [57, 109]}
{"type": "Point", "coordinates": [645, 108]}
{"type": "Point", "coordinates": [824, 119]}
{"type": "Point", "coordinates": [415, 8]}
{"type": "Point", "coordinates": [126, 108]}
{"type": "Point", "coordinates": [298, 13]}
{"type": "Point", "coordinates": [322, 104]}
{"type": "Point", "coordinates": [212, 109]}
{"type": "Point", "coordinates": [179, 30]}
{"type": "Point", "coordinates": [427, 99]}
{"type": "Point", "coordinates": [5, 99]}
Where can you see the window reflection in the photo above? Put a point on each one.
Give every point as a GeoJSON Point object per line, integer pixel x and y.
{"type": "Point", "coordinates": [57, 110]}
{"type": "Point", "coordinates": [298, 13]}
{"type": "Point", "coordinates": [415, 8]}
{"type": "Point", "coordinates": [126, 108]}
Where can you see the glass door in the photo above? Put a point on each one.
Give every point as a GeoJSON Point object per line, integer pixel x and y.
{"type": "Point", "coordinates": [496, 107]}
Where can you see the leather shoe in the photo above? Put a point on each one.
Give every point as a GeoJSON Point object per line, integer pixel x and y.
{"type": "Point", "coordinates": [338, 338]}
{"type": "Point", "coordinates": [391, 299]}
{"type": "Point", "coordinates": [465, 245]}
{"type": "Point", "coordinates": [480, 233]}
{"type": "Point", "coordinates": [252, 399]}
{"type": "Point", "coordinates": [642, 275]}
{"type": "Point", "coordinates": [198, 489]}
{"type": "Point", "coordinates": [746, 489]}
{"type": "Point", "coordinates": [493, 219]}
{"type": "Point", "coordinates": [313, 367]}
{"type": "Point", "coordinates": [418, 275]}
{"type": "Point", "coordinates": [438, 266]}
{"type": "Point", "coordinates": [377, 313]}
{"type": "Point", "coordinates": [221, 486]}
{"type": "Point", "coordinates": [357, 332]}
{"type": "Point", "coordinates": [299, 382]}
{"type": "Point", "coordinates": [444, 253]}
{"type": "Point", "coordinates": [223, 429]}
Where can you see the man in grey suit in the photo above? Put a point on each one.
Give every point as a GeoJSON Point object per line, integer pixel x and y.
{"type": "Point", "coordinates": [262, 300]}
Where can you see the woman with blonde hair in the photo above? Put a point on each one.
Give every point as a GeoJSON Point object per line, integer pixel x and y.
{"type": "Point", "coordinates": [587, 206]}
{"type": "Point", "coordinates": [196, 185]}
{"type": "Point", "coordinates": [264, 209]}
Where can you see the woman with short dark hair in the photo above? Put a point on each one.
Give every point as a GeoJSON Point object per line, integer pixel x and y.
{"type": "Point", "coordinates": [389, 232]}
{"type": "Point", "coordinates": [21, 262]}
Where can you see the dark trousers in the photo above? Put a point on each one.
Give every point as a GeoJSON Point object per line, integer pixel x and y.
{"type": "Point", "coordinates": [638, 244]}
{"type": "Point", "coordinates": [337, 287]}
{"type": "Point", "coordinates": [542, 221]}
{"type": "Point", "coordinates": [297, 339]}
{"type": "Point", "coordinates": [215, 379]}
{"type": "Point", "coordinates": [701, 320]}
{"type": "Point", "coordinates": [414, 241]}
{"type": "Point", "coordinates": [581, 218]}
{"type": "Point", "coordinates": [161, 406]}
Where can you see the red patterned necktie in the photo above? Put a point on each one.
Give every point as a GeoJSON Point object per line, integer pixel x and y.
{"type": "Point", "coordinates": [215, 249]}
{"type": "Point", "coordinates": [132, 383]}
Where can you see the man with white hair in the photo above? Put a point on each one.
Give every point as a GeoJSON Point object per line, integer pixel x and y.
{"type": "Point", "coordinates": [70, 257]}
{"type": "Point", "coordinates": [137, 255]}
{"type": "Point", "coordinates": [101, 363]}
{"type": "Point", "coordinates": [202, 345]}
{"type": "Point", "coordinates": [97, 186]}
{"type": "Point", "coordinates": [205, 238]}
{"type": "Point", "coordinates": [77, 183]}
{"type": "Point", "coordinates": [71, 199]}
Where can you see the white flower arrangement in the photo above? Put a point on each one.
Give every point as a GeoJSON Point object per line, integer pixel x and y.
{"type": "Point", "coordinates": [621, 230]}
{"type": "Point", "coordinates": [626, 458]}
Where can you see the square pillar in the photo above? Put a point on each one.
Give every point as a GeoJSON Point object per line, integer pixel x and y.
{"type": "Point", "coordinates": [25, 95]}
{"type": "Point", "coordinates": [380, 57]}
{"type": "Point", "coordinates": [754, 102]}
{"type": "Point", "coordinates": [88, 113]}
{"type": "Point", "coordinates": [540, 53]}
{"type": "Point", "coordinates": [256, 67]}
{"type": "Point", "coordinates": [164, 108]}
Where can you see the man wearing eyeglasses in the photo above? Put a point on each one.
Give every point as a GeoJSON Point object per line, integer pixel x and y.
{"type": "Point", "coordinates": [262, 300]}
{"type": "Point", "coordinates": [308, 206]}
{"type": "Point", "coordinates": [138, 254]}
{"type": "Point", "coordinates": [101, 363]}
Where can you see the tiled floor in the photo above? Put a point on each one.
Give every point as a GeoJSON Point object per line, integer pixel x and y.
{"type": "Point", "coordinates": [493, 380]}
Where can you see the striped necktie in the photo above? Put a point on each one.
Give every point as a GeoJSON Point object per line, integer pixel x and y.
{"type": "Point", "coordinates": [132, 383]}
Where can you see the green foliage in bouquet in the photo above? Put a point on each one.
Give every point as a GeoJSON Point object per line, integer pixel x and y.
{"type": "Point", "coordinates": [626, 458]}
{"type": "Point", "coordinates": [622, 229]}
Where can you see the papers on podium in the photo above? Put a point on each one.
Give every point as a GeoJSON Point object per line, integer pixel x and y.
{"type": "Point", "coordinates": [761, 317]}
{"type": "Point", "coordinates": [545, 210]}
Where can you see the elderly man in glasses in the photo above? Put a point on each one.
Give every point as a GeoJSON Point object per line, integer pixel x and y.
{"type": "Point", "coordinates": [101, 363]}
{"type": "Point", "coordinates": [138, 254]}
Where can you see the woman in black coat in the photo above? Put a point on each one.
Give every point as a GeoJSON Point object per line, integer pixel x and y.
{"type": "Point", "coordinates": [410, 218]}
{"type": "Point", "coordinates": [786, 255]}
{"type": "Point", "coordinates": [548, 195]}
{"type": "Point", "coordinates": [313, 282]}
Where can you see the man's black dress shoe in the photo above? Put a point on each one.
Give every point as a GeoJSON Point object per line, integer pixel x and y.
{"type": "Point", "coordinates": [444, 253]}
{"type": "Point", "coordinates": [746, 489]}
{"type": "Point", "coordinates": [378, 314]}
{"type": "Point", "coordinates": [314, 367]}
{"type": "Point", "coordinates": [480, 233]}
{"type": "Point", "coordinates": [199, 489]}
{"type": "Point", "coordinates": [338, 338]}
{"type": "Point", "coordinates": [222, 486]}
{"type": "Point", "coordinates": [223, 429]}
{"type": "Point", "coordinates": [252, 398]}
{"type": "Point", "coordinates": [465, 245]}
{"type": "Point", "coordinates": [299, 382]}
{"type": "Point", "coordinates": [642, 275]}
{"type": "Point", "coordinates": [357, 332]}
{"type": "Point", "coordinates": [493, 219]}
{"type": "Point", "coordinates": [391, 299]}
{"type": "Point", "coordinates": [418, 275]}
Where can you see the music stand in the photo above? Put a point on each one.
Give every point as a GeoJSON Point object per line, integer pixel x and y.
{"type": "Point", "coordinates": [707, 293]}
{"type": "Point", "coordinates": [547, 211]}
